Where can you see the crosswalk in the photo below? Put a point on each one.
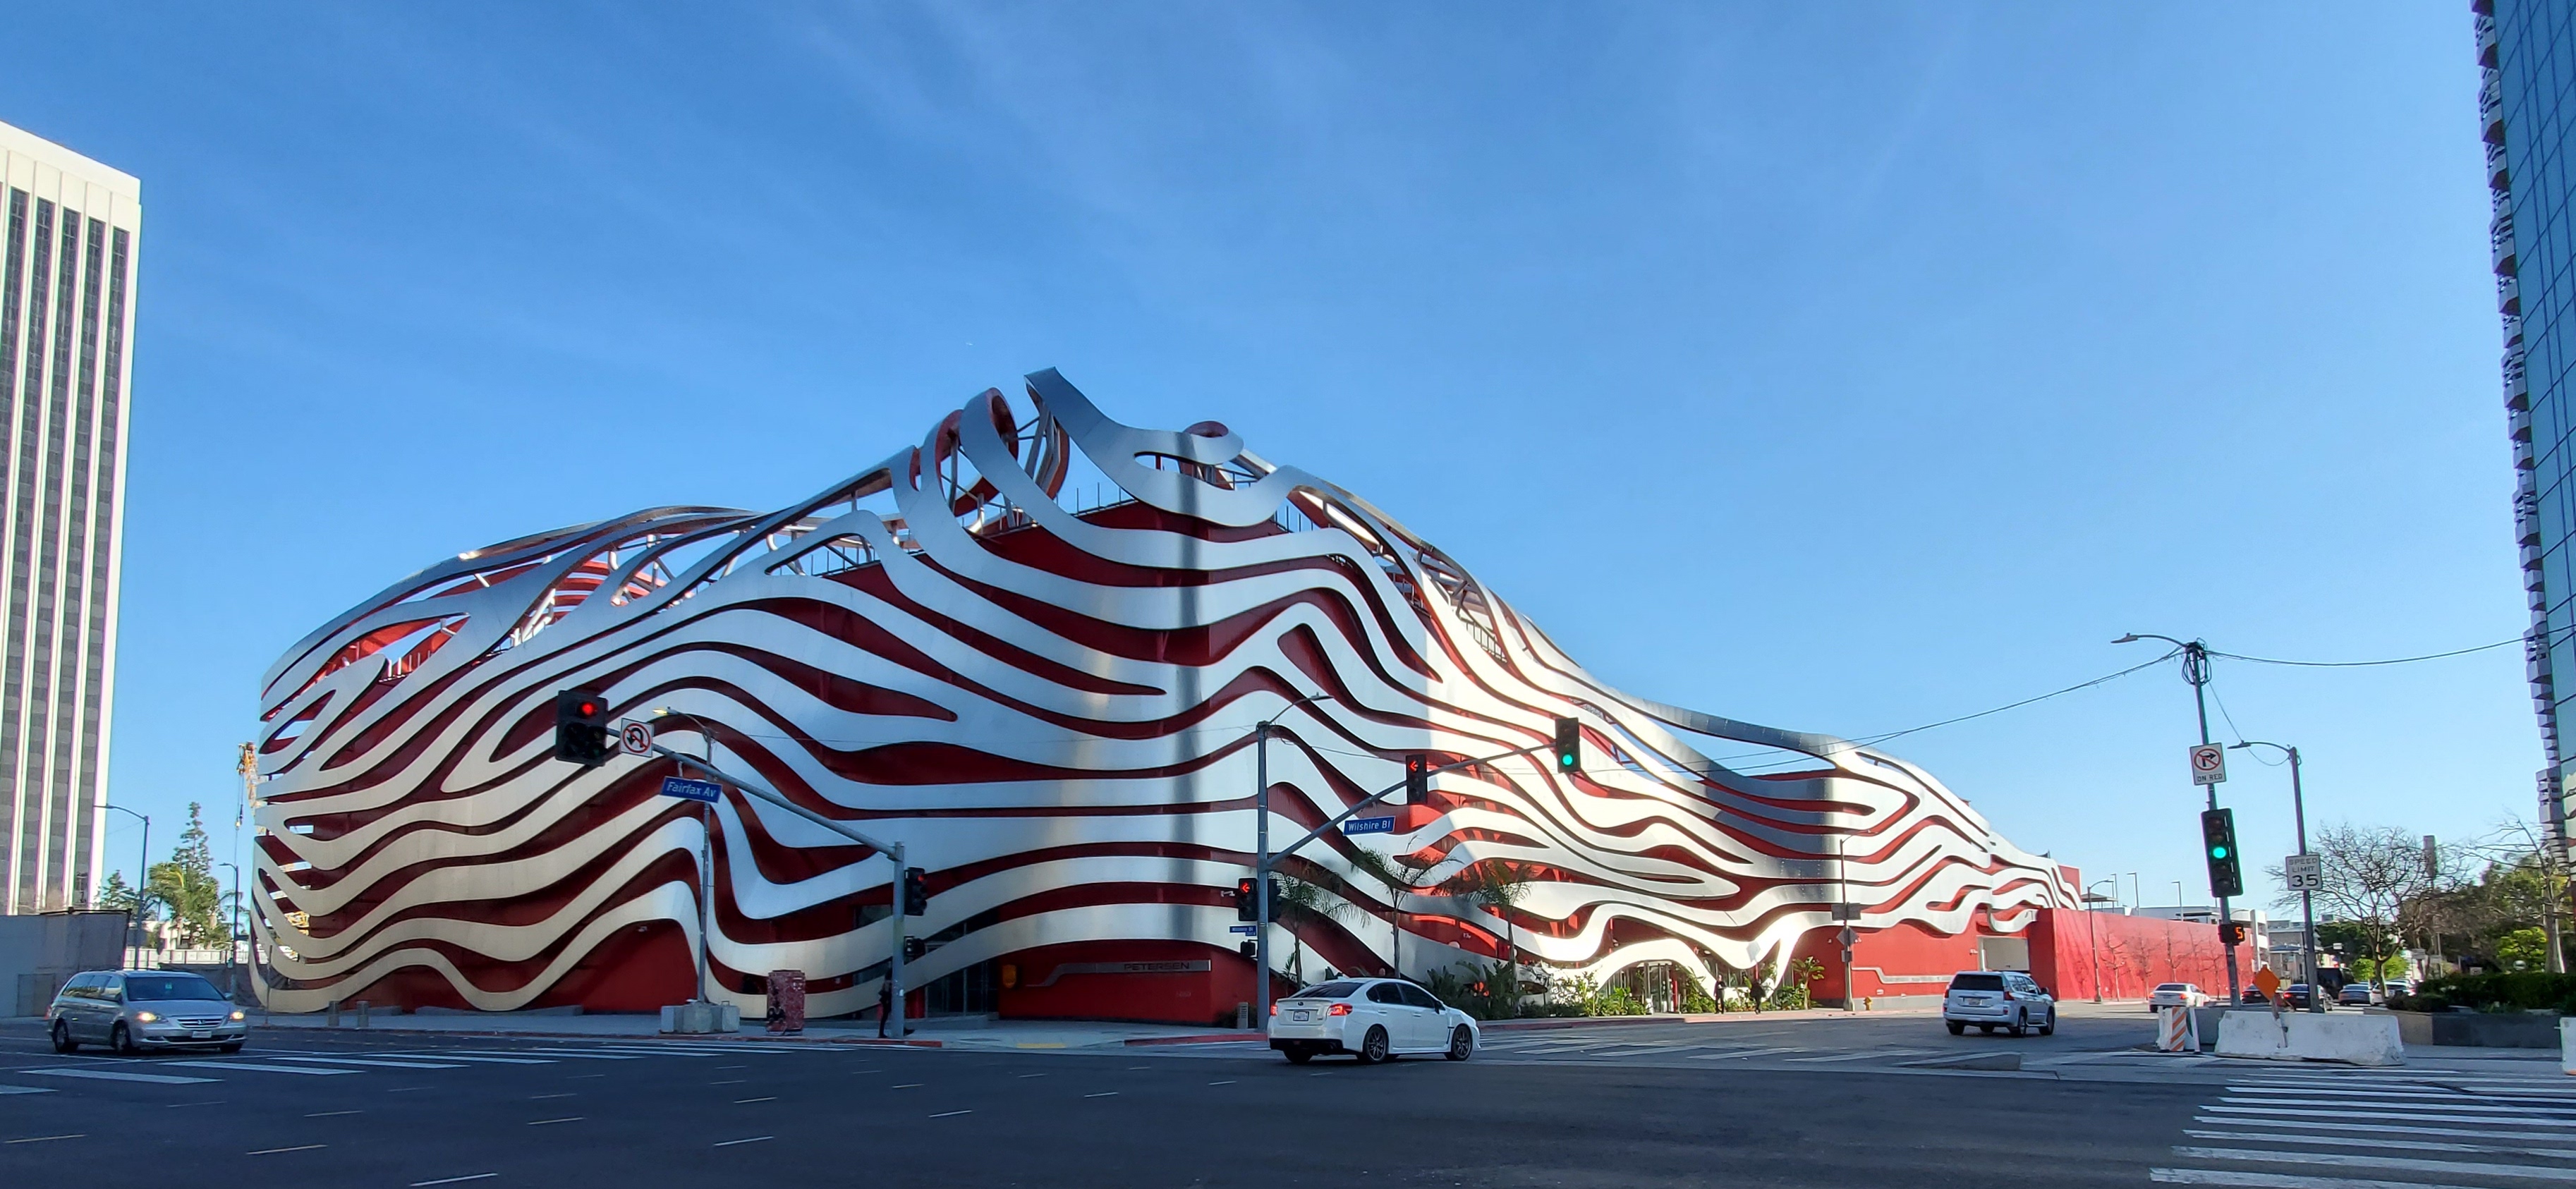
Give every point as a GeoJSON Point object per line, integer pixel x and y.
{"type": "Point", "coordinates": [288, 1062]}
{"type": "Point", "coordinates": [2295, 1130]}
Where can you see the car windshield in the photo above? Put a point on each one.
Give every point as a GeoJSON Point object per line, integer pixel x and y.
{"type": "Point", "coordinates": [2175, 987]}
{"type": "Point", "coordinates": [161, 987]}
{"type": "Point", "coordinates": [1326, 991]}
{"type": "Point", "coordinates": [1976, 982]}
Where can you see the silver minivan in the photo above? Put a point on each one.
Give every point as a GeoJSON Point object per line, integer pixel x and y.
{"type": "Point", "coordinates": [133, 1010]}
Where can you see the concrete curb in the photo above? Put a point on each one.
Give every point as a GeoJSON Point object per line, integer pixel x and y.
{"type": "Point", "coordinates": [606, 1037]}
{"type": "Point", "coordinates": [1198, 1038]}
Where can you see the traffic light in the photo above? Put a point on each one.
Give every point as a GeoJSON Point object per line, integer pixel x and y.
{"type": "Point", "coordinates": [916, 892]}
{"type": "Point", "coordinates": [2231, 932]}
{"type": "Point", "coordinates": [1417, 779]}
{"type": "Point", "coordinates": [914, 948]}
{"type": "Point", "coordinates": [1245, 907]}
{"type": "Point", "coordinates": [1250, 951]}
{"type": "Point", "coordinates": [581, 727]}
{"type": "Point", "coordinates": [2218, 845]}
{"type": "Point", "coordinates": [1569, 745]}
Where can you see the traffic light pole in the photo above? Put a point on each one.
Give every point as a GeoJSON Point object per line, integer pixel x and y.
{"type": "Point", "coordinates": [2195, 669]}
{"type": "Point", "coordinates": [1266, 858]}
{"type": "Point", "coordinates": [891, 850]}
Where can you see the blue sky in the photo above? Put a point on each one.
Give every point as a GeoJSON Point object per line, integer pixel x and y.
{"type": "Point", "coordinates": [1837, 368]}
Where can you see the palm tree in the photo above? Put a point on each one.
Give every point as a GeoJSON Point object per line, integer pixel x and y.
{"type": "Point", "coordinates": [1498, 887]}
{"type": "Point", "coordinates": [1401, 874]}
{"type": "Point", "coordinates": [1297, 895]}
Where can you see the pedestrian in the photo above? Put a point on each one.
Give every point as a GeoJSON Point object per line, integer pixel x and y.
{"type": "Point", "coordinates": [885, 1005]}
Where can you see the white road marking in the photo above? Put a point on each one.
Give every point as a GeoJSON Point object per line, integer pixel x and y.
{"type": "Point", "coordinates": [2340, 1160]}
{"type": "Point", "coordinates": [2483, 1106]}
{"type": "Point", "coordinates": [1103, 1094]}
{"type": "Point", "coordinates": [373, 1062]}
{"type": "Point", "coordinates": [2347, 1112]}
{"type": "Point", "coordinates": [275, 1151]}
{"type": "Point", "coordinates": [1861, 1056]}
{"type": "Point", "coordinates": [254, 1067]}
{"type": "Point", "coordinates": [475, 1060]}
{"type": "Point", "coordinates": [328, 1114]}
{"type": "Point", "coordinates": [2402, 1145]}
{"type": "Point", "coordinates": [753, 1140]}
{"type": "Point", "coordinates": [1742, 1053]}
{"type": "Point", "coordinates": [951, 1114]}
{"type": "Point", "coordinates": [551, 1122]}
{"type": "Point", "coordinates": [480, 1176]}
{"type": "Point", "coordinates": [46, 1139]}
{"type": "Point", "coordinates": [24, 1090]}
{"type": "Point", "coordinates": [2378, 1128]}
{"type": "Point", "coordinates": [2266, 1180]}
{"type": "Point", "coordinates": [740, 1101]}
{"type": "Point", "coordinates": [110, 1075]}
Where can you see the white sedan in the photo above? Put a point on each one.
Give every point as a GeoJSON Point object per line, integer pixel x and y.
{"type": "Point", "coordinates": [2177, 995]}
{"type": "Point", "coordinates": [1372, 1019]}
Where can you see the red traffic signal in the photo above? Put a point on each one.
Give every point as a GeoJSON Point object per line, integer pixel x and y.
{"type": "Point", "coordinates": [1417, 779]}
{"type": "Point", "coordinates": [581, 728]}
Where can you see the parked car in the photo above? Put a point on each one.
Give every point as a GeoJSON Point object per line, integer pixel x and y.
{"type": "Point", "coordinates": [2356, 995]}
{"type": "Point", "coordinates": [2177, 995]}
{"type": "Point", "coordinates": [2396, 987]}
{"type": "Point", "coordinates": [1372, 1019]}
{"type": "Point", "coordinates": [2254, 995]}
{"type": "Point", "coordinates": [1992, 999]}
{"type": "Point", "coordinates": [133, 1010]}
{"type": "Point", "coordinates": [2300, 995]}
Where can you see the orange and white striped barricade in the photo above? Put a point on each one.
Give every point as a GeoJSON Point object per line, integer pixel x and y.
{"type": "Point", "coordinates": [2176, 1030]}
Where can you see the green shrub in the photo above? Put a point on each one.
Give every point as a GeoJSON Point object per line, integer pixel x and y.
{"type": "Point", "coordinates": [2524, 990]}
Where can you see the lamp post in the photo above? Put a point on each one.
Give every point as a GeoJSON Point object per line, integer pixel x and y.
{"type": "Point", "coordinates": [2094, 932]}
{"type": "Point", "coordinates": [142, 882]}
{"type": "Point", "coordinates": [232, 934]}
{"type": "Point", "coordinates": [2195, 669]}
{"type": "Point", "coordinates": [1261, 859]}
{"type": "Point", "coordinates": [2307, 899]}
{"type": "Point", "coordinates": [706, 853]}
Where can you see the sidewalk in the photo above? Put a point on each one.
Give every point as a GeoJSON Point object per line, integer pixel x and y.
{"type": "Point", "coordinates": [979, 1033]}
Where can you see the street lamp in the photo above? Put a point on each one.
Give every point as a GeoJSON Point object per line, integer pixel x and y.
{"type": "Point", "coordinates": [232, 934]}
{"type": "Point", "coordinates": [1261, 859]}
{"type": "Point", "coordinates": [706, 853]}
{"type": "Point", "coordinates": [2195, 669]}
{"type": "Point", "coordinates": [2307, 899]}
{"type": "Point", "coordinates": [2094, 932]}
{"type": "Point", "coordinates": [142, 882]}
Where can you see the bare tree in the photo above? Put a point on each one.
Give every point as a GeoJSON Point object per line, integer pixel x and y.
{"type": "Point", "coordinates": [2371, 873]}
{"type": "Point", "coordinates": [2516, 844]}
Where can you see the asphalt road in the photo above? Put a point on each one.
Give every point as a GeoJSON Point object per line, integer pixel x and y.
{"type": "Point", "coordinates": [652, 1113]}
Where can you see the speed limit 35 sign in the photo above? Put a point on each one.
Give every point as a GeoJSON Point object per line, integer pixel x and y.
{"type": "Point", "coordinates": [2208, 764]}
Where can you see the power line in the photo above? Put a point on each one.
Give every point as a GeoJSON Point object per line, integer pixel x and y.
{"type": "Point", "coordinates": [2106, 678]}
{"type": "Point", "coordinates": [2401, 660]}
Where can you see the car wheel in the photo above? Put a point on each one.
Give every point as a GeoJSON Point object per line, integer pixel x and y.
{"type": "Point", "coordinates": [1956, 1027]}
{"type": "Point", "coordinates": [63, 1042]}
{"type": "Point", "coordinates": [1296, 1054]}
{"type": "Point", "coordinates": [2049, 1028]}
{"type": "Point", "coordinates": [1462, 1044]}
{"type": "Point", "coordinates": [1985, 1030]}
{"type": "Point", "coordinates": [1373, 1047]}
{"type": "Point", "coordinates": [2020, 1025]}
{"type": "Point", "coordinates": [230, 1046]}
{"type": "Point", "coordinates": [121, 1040]}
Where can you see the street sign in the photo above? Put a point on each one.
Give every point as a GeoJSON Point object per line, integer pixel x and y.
{"type": "Point", "coordinates": [636, 738]}
{"type": "Point", "coordinates": [1847, 936]}
{"type": "Point", "coordinates": [1847, 912]}
{"type": "Point", "coordinates": [2305, 873]}
{"type": "Point", "coordinates": [1246, 930]}
{"type": "Point", "coordinates": [1369, 825]}
{"type": "Point", "coordinates": [2208, 764]}
{"type": "Point", "coordinates": [2267, 982]}
{"type": "Point", "coordinates": [692, 790]}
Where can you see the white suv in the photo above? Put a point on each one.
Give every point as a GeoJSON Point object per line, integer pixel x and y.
{"type": "Point", "coordinates": [1370, 1018]}
{"type": "Point", "coordinates": [1992, 999]}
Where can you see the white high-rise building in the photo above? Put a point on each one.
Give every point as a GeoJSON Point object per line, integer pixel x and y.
{"type": "Point", "coordinates": [66, 365]}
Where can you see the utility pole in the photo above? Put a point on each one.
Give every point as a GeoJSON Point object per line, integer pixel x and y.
{"type": "Point", "coordinates": [142, 888]}
{"type": "Point", "coordinates": [2195, 669]}
{"type": "Point", "coordinates": [2307, 898]}
{"type": "Point", "coordinates": [1261, 859]}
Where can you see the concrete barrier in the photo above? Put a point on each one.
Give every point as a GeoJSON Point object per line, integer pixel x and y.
{"type": "Point", "coordinates": [2349, 1038]}
{"type": "Point", "coordinates": [2567, 1044]}
{"type": "Point", "coordinates": [696, 1018]}
{"type": "Point", "coordinates": [2494, 1030]}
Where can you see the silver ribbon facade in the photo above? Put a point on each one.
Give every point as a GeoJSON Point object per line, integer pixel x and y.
{"type": "Point", "coordinates": [1051, 706]}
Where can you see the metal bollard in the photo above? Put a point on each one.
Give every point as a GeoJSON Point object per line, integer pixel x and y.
{"type": "Point", "coordinates": [1243, 1015]}
{"type": "Point", "coordinates": [332, 1017]}
{"type": "Point", "coordinates": [362, 1013]}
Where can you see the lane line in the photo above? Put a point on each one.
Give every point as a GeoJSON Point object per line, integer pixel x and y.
{"type": "Point", "coordinates": [753, 1140]}
{"type": "Point", "coordinates": [2456, 1103]}
{"type": "Point", "coordinates": [740, 1101]}
{"type": "Point", "coordinates": [209, 1102]}
{"type": "Point", "coordinates": [275, 1151]}
{"type": "Point", "coordinates": [951, 1114]}
{"type": "Point", "coordinates": [1032, 1075]}
{"type": "Point", "coordinates": [257, 1068]}
{"type": "Point", "coordinates": [1228, 1082]}
{"type": "Point", "coordinates": [1103, 1094]}
{"type": "Point", "coordinates": [2379, 1128]}
{"type": "Point", "coordinates": [475, 1060]}
{"type": "Point", "coordinates": [2269, 1180]}
{"type": "Point", "coordinates": [1745, 1053]}
{"type": "Point", "coordinates": [46, 1139]}
{"type": "Point", "coordinates": [2403, 1145]}
{"type": "Point", "coordinates": [2339, 1160]}
{"type": "Point", "coordinates": [25, 1090]}
{"type": "Point", "coordinates": [480, 1176]}
{"type": "Point", "coordinates": [330, 1114]}
{"type": "Point", "coordinates": [110, 1075]}
{"type": "Point", "coordinates": [906, 1086]}
{"type": "Point", "coordinates": [730, 1082]}
{"type": "Point", "coordinates": [2269, 1112]}
{"type": "Point", "coordinates": [550, 1122]}
{"type": "Point", "coordinates": [373, 1062]}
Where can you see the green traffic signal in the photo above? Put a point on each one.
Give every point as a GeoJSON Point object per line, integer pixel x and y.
{"type": "Point", "coordinates": [2218, 852]}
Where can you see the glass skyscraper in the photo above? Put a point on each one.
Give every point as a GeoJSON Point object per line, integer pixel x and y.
{"type": "Point", "coordinates": [68, 228]}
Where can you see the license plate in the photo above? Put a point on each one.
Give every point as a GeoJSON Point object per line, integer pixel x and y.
{"type": "Point", "coordinates": [199, 1034]}
{"type": "Point", "coordinates": [1301, 1016]}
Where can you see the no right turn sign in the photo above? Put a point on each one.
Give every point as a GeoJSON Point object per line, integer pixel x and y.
{"type": "Point", "coordinates": [2208, 764]}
